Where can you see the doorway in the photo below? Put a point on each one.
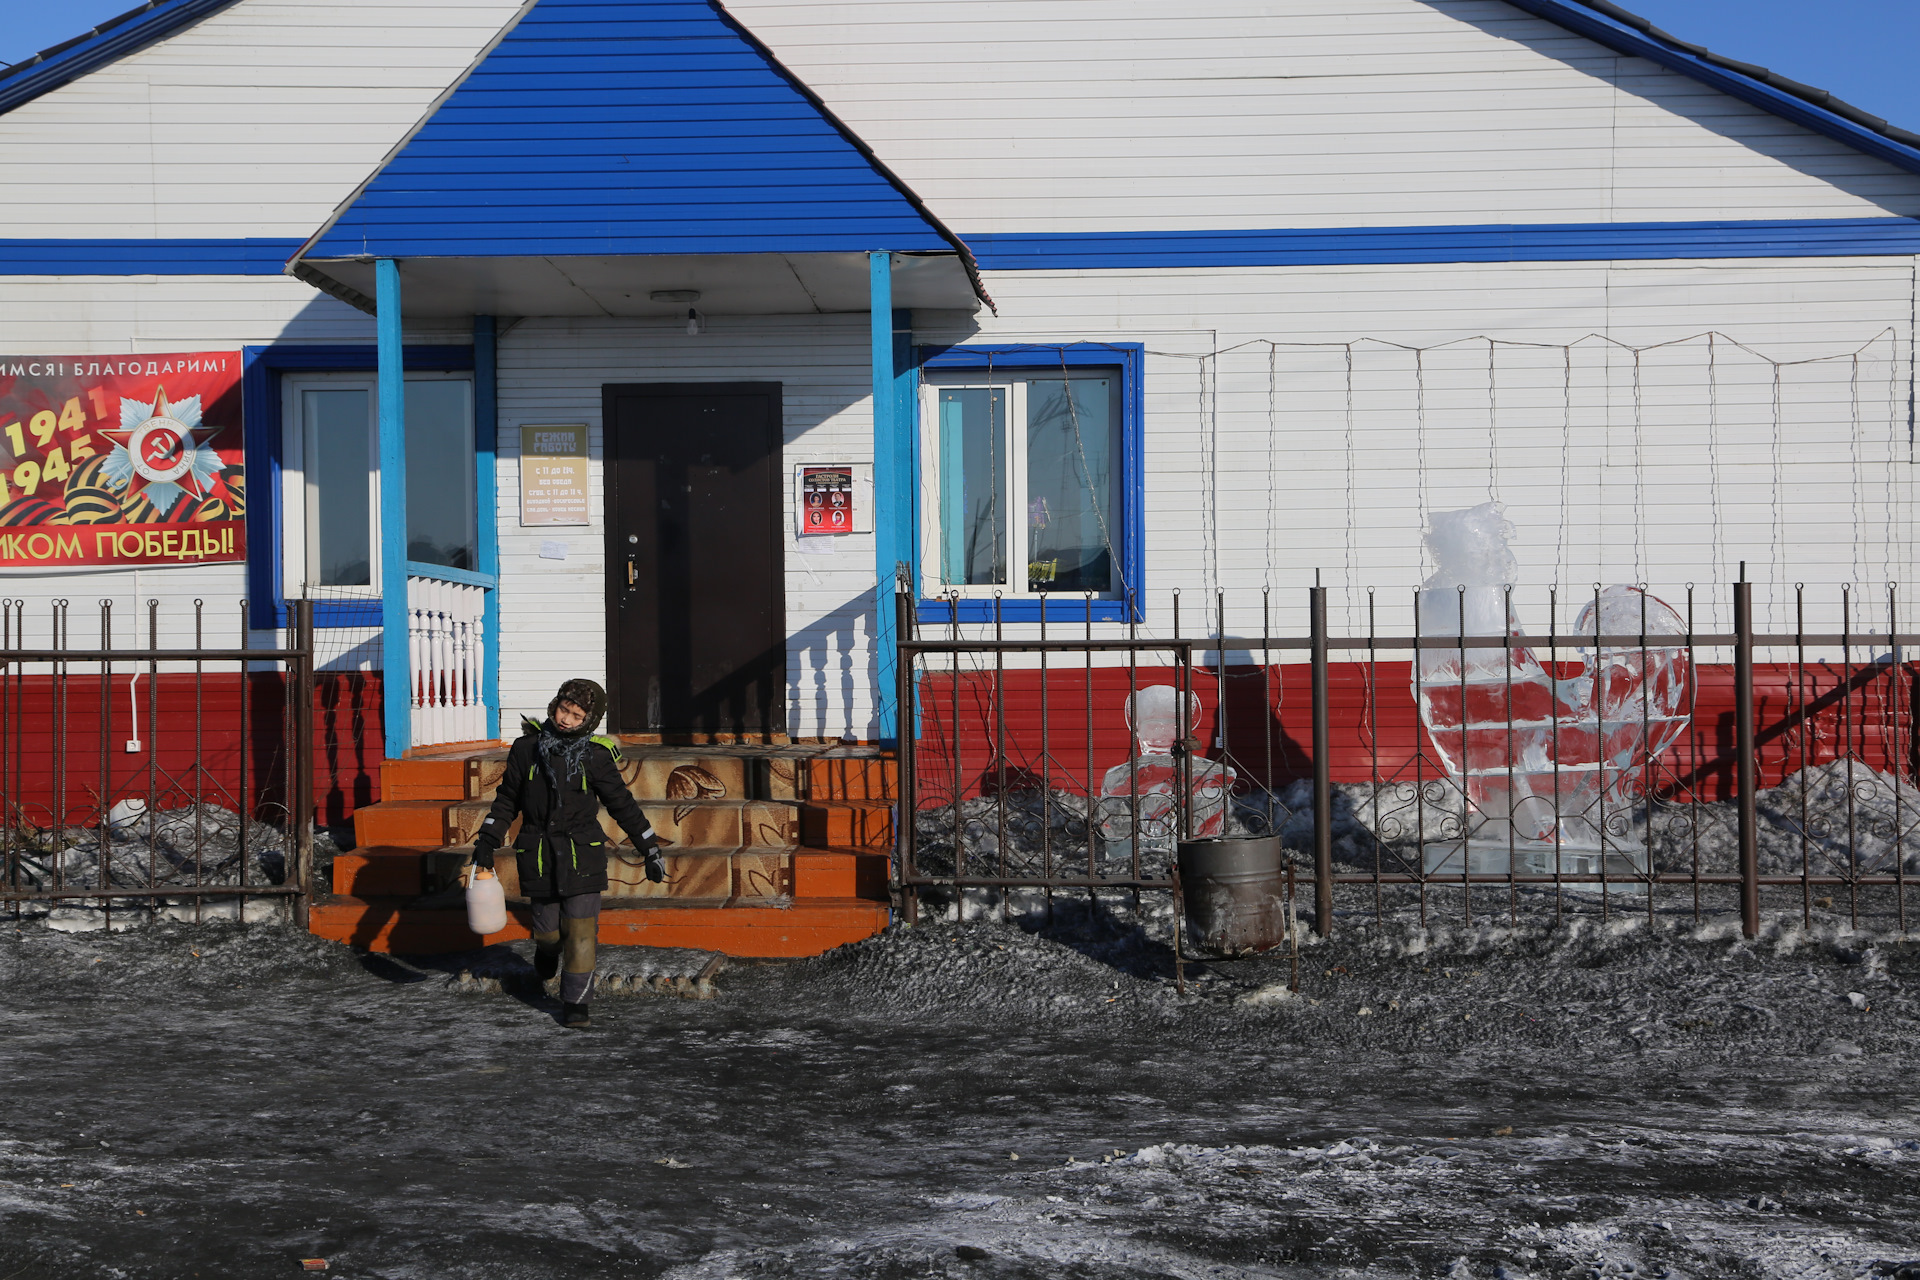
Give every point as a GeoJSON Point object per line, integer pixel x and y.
{"type": "Point", "coordinates": [696, 589]}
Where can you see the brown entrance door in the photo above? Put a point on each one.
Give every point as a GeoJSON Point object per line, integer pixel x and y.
{"type": "Point", "coordinates": [696, 602]}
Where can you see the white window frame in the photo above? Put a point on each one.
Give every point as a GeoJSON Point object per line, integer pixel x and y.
{"type": "Point", "coordinates": [298, 513]}
{"type": "Point", "coordinates": [1014, 383]}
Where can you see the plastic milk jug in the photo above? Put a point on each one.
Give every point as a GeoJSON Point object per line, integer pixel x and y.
{"type": "Point", "coordinates": [486, 903]}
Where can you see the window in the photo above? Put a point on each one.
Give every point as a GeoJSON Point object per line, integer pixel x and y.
{"type": "Point", "coordinates": [1027, 479]}
{"type": "Point", "coordinates": [331, 478]}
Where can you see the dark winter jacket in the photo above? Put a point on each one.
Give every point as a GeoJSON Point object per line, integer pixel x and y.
{"type": "Point", "coordinates": [561, 848]}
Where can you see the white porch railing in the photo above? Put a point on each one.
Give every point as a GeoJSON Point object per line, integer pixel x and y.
{"type": "Point", "coordinates": [446, 643]}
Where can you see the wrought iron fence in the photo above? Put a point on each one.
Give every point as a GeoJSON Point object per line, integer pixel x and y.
{"type": "Point", "coordinates": [153, 771]}
{"type": "Point", "coordinates": [1629, 763]}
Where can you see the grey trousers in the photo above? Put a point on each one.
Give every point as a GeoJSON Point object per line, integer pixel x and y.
{"type": "Point", "coordinates": [569, 925]}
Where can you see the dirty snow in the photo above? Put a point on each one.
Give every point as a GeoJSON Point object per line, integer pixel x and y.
{"type": "Point", "coordinates": [1520, 1097]}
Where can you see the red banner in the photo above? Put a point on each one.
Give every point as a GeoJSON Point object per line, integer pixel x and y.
{"type": "Point", "coordinates": [121, 460]}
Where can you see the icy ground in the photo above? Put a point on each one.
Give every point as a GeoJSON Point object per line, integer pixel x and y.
{"type": "Point", "coordinates": [1601, 1099]}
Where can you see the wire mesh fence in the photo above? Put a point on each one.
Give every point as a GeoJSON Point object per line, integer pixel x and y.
{"type": "Point", "coordinates": [144, 765]}
{"type": "Point", "coordinates": [1623, 763]}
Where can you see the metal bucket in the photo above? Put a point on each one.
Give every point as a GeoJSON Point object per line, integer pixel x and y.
{"type": "Point", "coordinates": [1234, 894]}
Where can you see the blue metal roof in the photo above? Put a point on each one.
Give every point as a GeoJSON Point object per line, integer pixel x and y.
{"type": "Point", "coordinates": [629, 127]}
{"type": "Point", "coordinates": [111, 40]}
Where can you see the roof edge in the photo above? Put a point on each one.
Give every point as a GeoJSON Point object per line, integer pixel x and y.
{"type": "Point", "coordinates": [112, 40]}
{"type": "Point", "coordinates": [339, 211]}
{"type": "Point", "coordinates": [1608, 24]}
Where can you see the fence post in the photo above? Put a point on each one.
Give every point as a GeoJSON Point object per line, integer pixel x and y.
{"type": "Point", "coordinates": [300, 813]}
{"type": "Point", "coordinates": [1322, 772]}
{"type": "Point", "coordinates": [1744, 772]}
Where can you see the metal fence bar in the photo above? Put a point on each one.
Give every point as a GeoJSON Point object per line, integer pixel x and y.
{"type": "Point", "coordinates": [1322, 770]}
{"type": "Point", "coordinates": [46, 760]}
{"type": "Point", "coordinates": [1748, 776]}
{"type": "Point", "coordinates": [1626, 794]}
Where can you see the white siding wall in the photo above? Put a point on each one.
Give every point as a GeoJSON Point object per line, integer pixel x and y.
{"type": "Point", "coordinates": [256, 121]}
{"type": "Point", "coordinates": [1060, 115]}
{"type": "Point", "coordinates": [553, 614]}
{"type": "Point", "coordinates": [1252, 479]}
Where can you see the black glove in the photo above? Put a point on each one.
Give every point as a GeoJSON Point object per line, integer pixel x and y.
{"type": "Point", "coordinates": [656, 866]}
{"type": "Point", "coordinates": [483, 856]}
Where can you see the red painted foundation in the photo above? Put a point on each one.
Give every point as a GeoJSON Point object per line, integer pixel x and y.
{"type": "Point", "coordinates": [1375, 727]}
{"type": "Point", "coordinates": [63, 746]}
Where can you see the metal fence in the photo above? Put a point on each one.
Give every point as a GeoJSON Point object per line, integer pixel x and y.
{"type": "Point", "coordinates": [143, 768]}
{"type": "Point", "coordinates": [1629, 763]}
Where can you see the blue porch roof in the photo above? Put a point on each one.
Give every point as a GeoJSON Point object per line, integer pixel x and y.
{"type": "Point", "coordinates": [615, 127]}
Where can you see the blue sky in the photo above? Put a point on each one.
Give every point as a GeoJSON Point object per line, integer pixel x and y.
{"type": "Point", "coordinates": [1861, 50]}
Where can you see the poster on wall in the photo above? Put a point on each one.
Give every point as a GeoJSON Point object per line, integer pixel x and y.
{"type": "Point", "coordinates": [553, 475]}
{"type": "Point", "coordinates": [121, 460]}
{"type": "Point", "coordinates": [826, 500]}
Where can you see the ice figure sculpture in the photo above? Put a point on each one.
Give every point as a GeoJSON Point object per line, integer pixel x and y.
{"type": "Point", "coordinates": [1551, 767]}
{"type": "Point", "coordinates": [1153, 775]}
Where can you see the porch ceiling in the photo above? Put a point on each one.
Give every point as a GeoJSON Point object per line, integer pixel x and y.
{"type": "Point", "coordinates": [622, 285]}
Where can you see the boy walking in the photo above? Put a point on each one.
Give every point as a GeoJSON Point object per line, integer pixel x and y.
{"type": "Point", "coordinates": [558, 775]}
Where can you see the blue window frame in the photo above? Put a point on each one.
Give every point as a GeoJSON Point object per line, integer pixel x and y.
{"type": "Point", "coordinates": [990, 514]}
{"type": "Point", "coordinates": [262, 370]}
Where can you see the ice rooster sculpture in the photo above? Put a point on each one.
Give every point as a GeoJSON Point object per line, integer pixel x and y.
{"type": "Point", "coordinates": [1151, 779]}
{"type": "Point", "coordinates": [1552, 767]}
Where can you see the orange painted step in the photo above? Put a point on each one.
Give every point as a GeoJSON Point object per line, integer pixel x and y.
{"type": "Point", "coordinates": [808, 929]}
{"type": "Point", "coordinates": [847, 824]}
{"type": "Point", "coordinates": [423, 780]}
{"type": "Point", "coordinates": [853, 778]}
{"type": "Point", "coordinates": [416, 824]}
{"type": "Point", "coordinates": [380, 872]}
{"type": "Point", "coordinates": [840, 873]}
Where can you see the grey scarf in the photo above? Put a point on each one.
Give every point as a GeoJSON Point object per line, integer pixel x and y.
{"type": "Point", "coordinates": [562, 755]}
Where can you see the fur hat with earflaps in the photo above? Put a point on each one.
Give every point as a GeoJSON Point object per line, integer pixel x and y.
{"type": "Point", "coordinates": [586, 695]}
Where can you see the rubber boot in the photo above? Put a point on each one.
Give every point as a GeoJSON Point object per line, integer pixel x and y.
{"type": "Point", "coordinates": [546, 955]}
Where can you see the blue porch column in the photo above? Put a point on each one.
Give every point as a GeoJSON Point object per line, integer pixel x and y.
{"type": "Point", "coordinates": [486, 430]}
{"type": "Point", "coordinates": [396, 658]}
{"type": "Point", "coordinates": [892, 479]}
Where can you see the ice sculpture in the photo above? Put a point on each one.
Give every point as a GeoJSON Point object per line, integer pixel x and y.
{"type": "Point", "coordinates": [1551, 767]}
{"type": "Point", "coordinates": [1153, 776]}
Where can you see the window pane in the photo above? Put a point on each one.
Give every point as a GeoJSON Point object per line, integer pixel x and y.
{"type": "Point", "coordinates": [973, 486]}
{"type": "Point", "coordinates": [440, 527]}
{"type": "Point", "coordinates": [339, 447]}
{"type": "Point", "coordinates": [1070, 505]}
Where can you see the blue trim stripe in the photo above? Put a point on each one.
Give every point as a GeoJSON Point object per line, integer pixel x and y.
{"type": "Point", "coordinates": [262, 257]}
{"type": "Point", "coordinates": [1355, 246]}
{"type": "Point", "coordinates": [1112, 250]}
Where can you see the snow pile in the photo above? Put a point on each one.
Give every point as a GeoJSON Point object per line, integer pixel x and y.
{"type": "Point", "coordinates": [1834, 817]}
{"type": "Point", "coordinates": [138, 847]}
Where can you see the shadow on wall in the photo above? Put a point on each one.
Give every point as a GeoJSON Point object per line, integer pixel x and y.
{"type": "Point", "coordinates": [1757, 130]}
{"type": "Point", "coordinates": [830, 661]}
